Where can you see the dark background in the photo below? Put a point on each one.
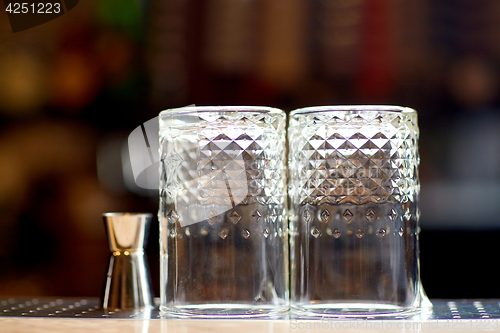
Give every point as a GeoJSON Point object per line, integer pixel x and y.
{"type": "Point", "coordinates": [72, 90]}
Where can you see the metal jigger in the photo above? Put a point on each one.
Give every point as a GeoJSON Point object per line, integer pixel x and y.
{"type": "Point", "coordinates": [128, 284]}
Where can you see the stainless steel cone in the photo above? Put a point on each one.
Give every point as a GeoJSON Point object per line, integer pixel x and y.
{"type": "Point", "coordinates": [128, 284]}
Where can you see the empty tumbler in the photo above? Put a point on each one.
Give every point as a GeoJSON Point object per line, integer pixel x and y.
{"type": "Point", "coordinates": [223, 227]}
{"type": "Point", "coordinates": [354, 211]}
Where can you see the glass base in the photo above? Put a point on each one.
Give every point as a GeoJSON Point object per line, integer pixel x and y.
{"type": "Point", "coordinates": [350, 309]}
{"type": "Point", "coordinates": [223, 311]}
{"type": "Point", "coordinates": [366, 309]}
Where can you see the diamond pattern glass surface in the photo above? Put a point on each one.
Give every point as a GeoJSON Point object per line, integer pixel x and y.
{"type": "Point", "coordinates": [213, 161]}
{"type": "Point", "coordinates": [354, 157]}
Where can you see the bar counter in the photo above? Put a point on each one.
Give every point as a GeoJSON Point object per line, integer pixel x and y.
{"type": "Point", "coordinates": [37, 315]}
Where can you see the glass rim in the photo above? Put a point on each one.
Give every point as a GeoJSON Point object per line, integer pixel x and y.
{"type": "Point", "coordinates": [231, 108]}
{"type": "Point", "coordinates": [352, 108]}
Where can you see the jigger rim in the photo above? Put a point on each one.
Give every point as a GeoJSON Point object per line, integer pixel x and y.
{"type": "Point", "coordinates": [114, 214]}
{"type": "Point", "coordinates": [353, 108]}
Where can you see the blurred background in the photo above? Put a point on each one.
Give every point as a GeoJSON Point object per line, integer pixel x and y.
{"type": "Point", "coordinates": [72, 90]}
